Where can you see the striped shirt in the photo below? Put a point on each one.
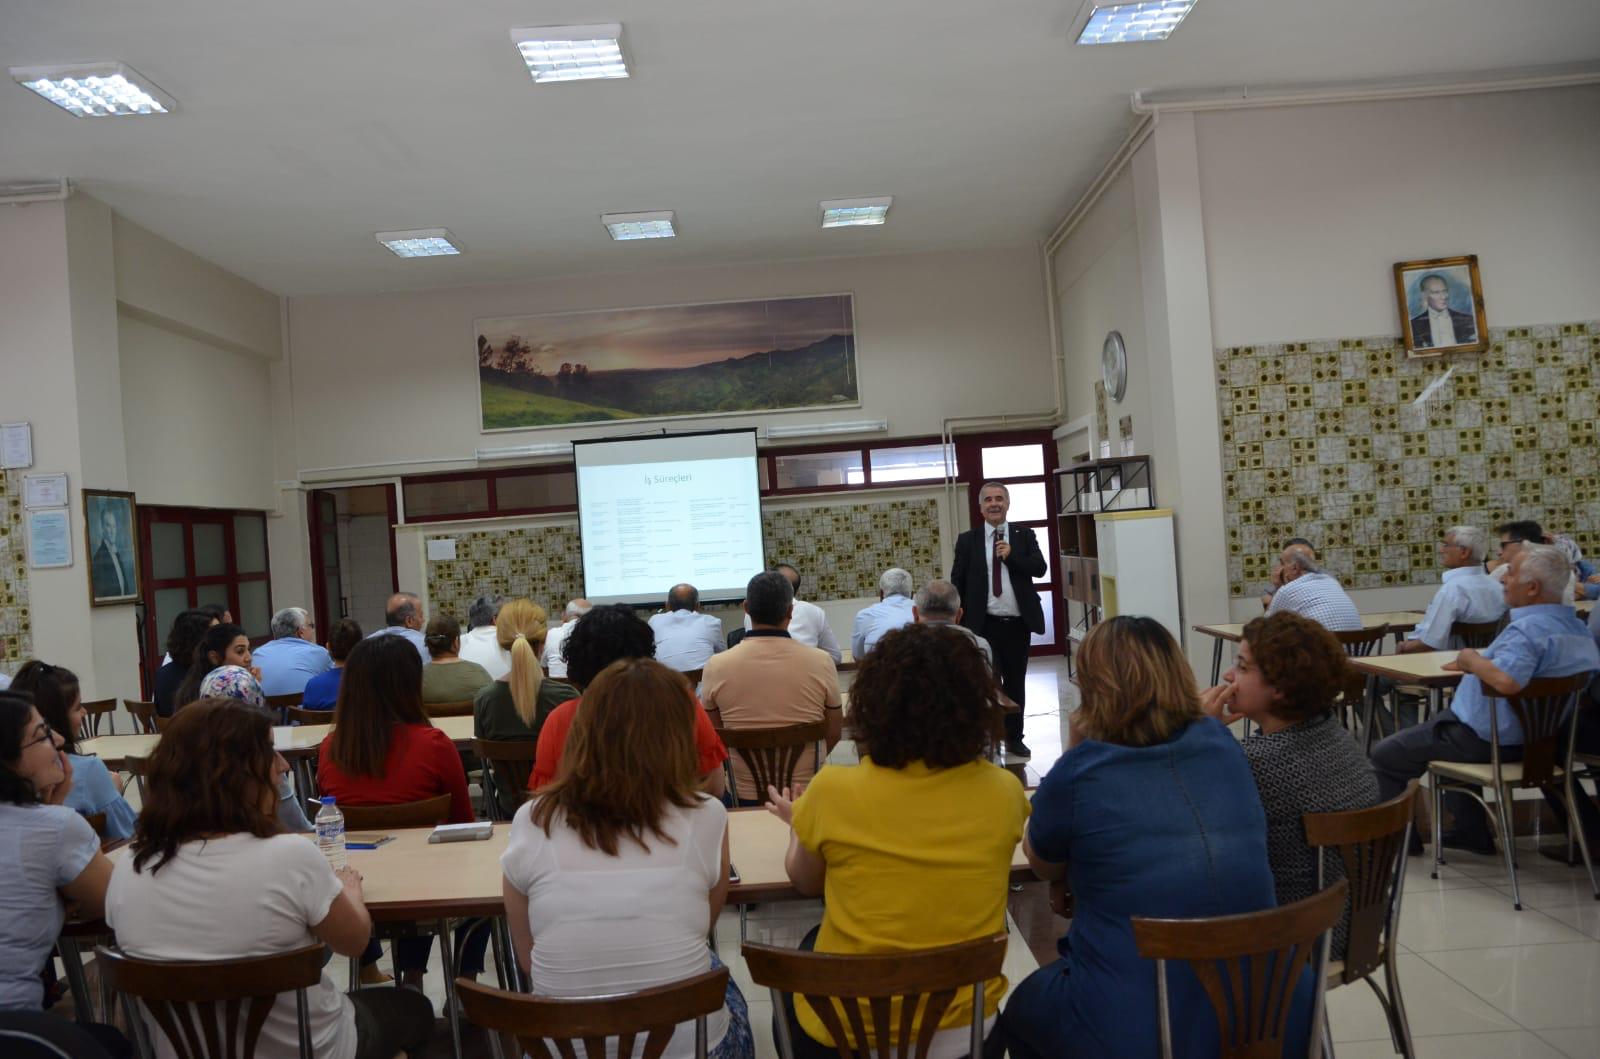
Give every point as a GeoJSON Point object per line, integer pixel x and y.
{"type": "Point", "coordinates": [1320, 598]}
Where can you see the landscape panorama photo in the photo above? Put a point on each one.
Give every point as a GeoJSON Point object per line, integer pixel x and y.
{"type": "Point", "coordinates": [561, 369]}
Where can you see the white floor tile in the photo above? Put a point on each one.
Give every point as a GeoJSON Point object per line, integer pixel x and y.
{"type": "Point", "coordinates": [1520, 1044]}
{"type": "Point", "coordinates": [1476, 918]}
{"type": "Point", "coordinates": [1419, 878]}
{"type": "Point", "coordinates": [1545, 893]}
{"type": "Point", "coordinates": [1541, 986]}
{"type": "Point", "coordinates": [1584, 917]}
{"type": "Point", "coordinates": [1434, 1004]}
{"type": "Point", "coordinates": [1578, 1043]}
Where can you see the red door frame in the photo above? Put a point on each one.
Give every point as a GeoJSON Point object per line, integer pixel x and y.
{"type": "Point", "coordinates": [319, 591]}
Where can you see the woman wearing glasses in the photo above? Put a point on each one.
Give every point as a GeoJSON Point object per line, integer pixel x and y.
{"type": "Point", "coordinates": [53, 859]}
{"type": "Point", "coordinates": [95, 788]}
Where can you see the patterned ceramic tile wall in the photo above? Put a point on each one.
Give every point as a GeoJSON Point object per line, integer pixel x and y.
{"type": "Point", "coordinates": [840, 549]}
{"type": "Point", "coordinates": [1324, 440]}
{"type": "Point", "coordinates": [16, 626]}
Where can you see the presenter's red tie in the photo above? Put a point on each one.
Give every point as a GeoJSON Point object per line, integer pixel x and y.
{"type": "Point", "coordinates": [995, 566]}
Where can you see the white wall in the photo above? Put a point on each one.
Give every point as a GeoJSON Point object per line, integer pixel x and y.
{"type": "Point", "coordinates": [392, 379]}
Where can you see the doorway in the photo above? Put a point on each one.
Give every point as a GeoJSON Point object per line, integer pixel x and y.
{"type": "Point", "coordinates": [354, 568]}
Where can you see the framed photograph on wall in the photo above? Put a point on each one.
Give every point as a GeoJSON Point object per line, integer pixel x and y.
{"type": "Point", "coordinates": [1441, 306]}
{"type": "Point", "coordinates": [111, 520]}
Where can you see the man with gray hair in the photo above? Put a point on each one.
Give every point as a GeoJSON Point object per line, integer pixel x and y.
{"type": "Point", "coordinates": [686, 636]}
{"type": "Point", "coordinates": [481, 642]}
{"type": "Point", "coordinates": [892, 611]}
{"type": "Point", "coordinates": [1311, 593]}
{"type": "Point", "coordinates": [404, 617]}
{"type": "Point", "coordinates": [1467, 594]}
{"type": "Point", "coordinates": [292, 656]}
{"type": "Point", "coordinates": [1544, 639]}
{"type": "Point", "coordinates": [554, 663]}
{"type": "Point", "coordinates": [938, 603]}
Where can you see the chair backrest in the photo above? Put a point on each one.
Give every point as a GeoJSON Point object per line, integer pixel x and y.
{"type": "Point", "coordinates": [509, 762]}
{"type": "Point", "coordinates": [1249, 966]}
{"type": "Point", "coordinates": [144, 715]}
{"type": "Point", "coordinates": [98, 822]}
{"type": "Point", "coordinates": [135, 767]}
{"type": "Point", "coordinates": [301, 715]}
{"type": "Point", "coordinates": [771, 754]}
{"type": "Point", "coordinates": [1359, 643]}
{"type": "Point", "coordinates": [429, 812]}
{"type": "Point", "coordinates": [1547, 709]}
{"type": "Point", "coordinates": [215, 1009]}
{"type": "Point", "coordinates": [927, 979]}
{"type": "Point", "coordinates": [693, 676]}
{"type": "Point", "coordinates": [1475, 634]}
{"type": "Point", "coordinates": [97, 708]}
{"type": "Point", "coordinates": [1372, 845]}
{"type": "Point", "coordinates": [534, 1022]}
{"type": "Point", "coordinates": [448, 709]}
{"type": "Point", "coordinates": [161, 722]}
{"type": "Point", "coordinates": [279, 702]}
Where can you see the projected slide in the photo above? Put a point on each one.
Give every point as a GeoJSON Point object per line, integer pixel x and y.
{"type": "Point", "coordinates": [659, 510]}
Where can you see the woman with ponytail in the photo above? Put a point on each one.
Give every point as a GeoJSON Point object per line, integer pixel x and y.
{"type": "Point", "coordinates": [515, 706]}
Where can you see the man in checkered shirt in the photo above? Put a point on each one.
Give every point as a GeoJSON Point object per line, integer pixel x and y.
{"type": "Point", "coordinates": [1309, 592]}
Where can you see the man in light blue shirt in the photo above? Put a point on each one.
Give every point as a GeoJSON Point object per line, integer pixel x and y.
{"type": "Point", "coordinates": [292, 656]}
{"type": "Point", "coordinates": [1545, 639]}
{"type": "Point", "coordinates": [686, 638]}
{"type": "Point", "coordinates": [893, 610]}
{"type": "Point", "coordinates": [1468, 594]}
{"type": "Point", "coordinates": [405, 618]}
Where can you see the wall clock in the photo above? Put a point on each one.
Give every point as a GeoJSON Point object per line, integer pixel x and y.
{"type": "Point", "coordinates": [1114, 365]}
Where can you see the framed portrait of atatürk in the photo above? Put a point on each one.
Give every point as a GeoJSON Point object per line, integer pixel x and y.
{"type": "Point", "coordinates": [1441, 306]}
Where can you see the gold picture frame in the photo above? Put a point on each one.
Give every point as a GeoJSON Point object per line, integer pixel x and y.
{"type": "Point", "coordinates": [115, 577]}
{"type": "Point", "coordinates": [1454, 293]}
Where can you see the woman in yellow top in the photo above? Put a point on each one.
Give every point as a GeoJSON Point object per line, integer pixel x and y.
{"type": "Point", "coordinates": [929, 865]}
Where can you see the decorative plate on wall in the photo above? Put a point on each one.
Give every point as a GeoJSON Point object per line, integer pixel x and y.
{"type": "Point", "coordinates": [1114, 365]}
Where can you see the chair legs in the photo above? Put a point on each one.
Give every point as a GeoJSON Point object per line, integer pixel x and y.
{"type": "Point", "coordinates": [1436, 796]}
{"type": "Point", "coordinates": [1573, 790]}
{"type": "Point", "coordinates": [1508, 840]}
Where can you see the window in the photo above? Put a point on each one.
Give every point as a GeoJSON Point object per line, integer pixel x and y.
{"type": "Point", "coordinates": [1013, 461]}
{"type": "Point", "coordinates": [531, 492]}
{"type": "Point", "coordinates": [458, 495]}
{"type": "Point", "coordinates": [912, 463]}
{"type": "Point", "coordinates": [819, 470]}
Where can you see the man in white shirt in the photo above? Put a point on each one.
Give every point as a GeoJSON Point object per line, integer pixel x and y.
{"type": "Point", "coordinates": [892, 611]}
{"type": "Point", "coordinates": [554, 663]}
{"type": "Point", "coordinates": [1467, 593]}
{"type": "Point", "coordinates": [481, 642]}
{"type": "Point", "coordinates": [1311, 593]}
{"type": "Point", "coordinates": [1438, 326]}
{"type": "Point", "coordinates": [1513, 535]}
{"type": "Point", "coordinates": [686, 638]}
{"type": "Point", "coordinates": [809, 624]}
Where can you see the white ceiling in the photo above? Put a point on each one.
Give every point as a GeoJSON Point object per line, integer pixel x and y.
{"type": "Point", "coordinates": [304, 126]}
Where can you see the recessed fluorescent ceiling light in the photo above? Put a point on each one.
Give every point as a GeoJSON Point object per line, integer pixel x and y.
{"type": "Point", "coordinates": [850, 213]}
{"type": "Point", "coordinates": [572, 53]}
{"type": "Point", "coordinates": [1128, 23]}
{"type": "Point", "coordinates": [421, 242]}
{"type": "Point", "coordinates": [657, 225]}
{"type": "Point", "coordinates": [95, 90]}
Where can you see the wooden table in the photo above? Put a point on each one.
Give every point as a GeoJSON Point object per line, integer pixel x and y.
{"type": "Point", "coordinates": [1398, 621]}
{"type": "Point", "coordinates": [1423, 667]}
{"type": "Point", "coordinates": [294, 741]}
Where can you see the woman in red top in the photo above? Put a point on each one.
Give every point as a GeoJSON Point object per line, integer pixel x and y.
{"type": "Point", "coordinates": [383, 750]}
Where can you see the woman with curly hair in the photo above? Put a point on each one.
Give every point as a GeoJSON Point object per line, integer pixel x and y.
{"type": "Point", "coordinates": [1283, 679]}
{"type": "Point", "coordinates": [929, 864]}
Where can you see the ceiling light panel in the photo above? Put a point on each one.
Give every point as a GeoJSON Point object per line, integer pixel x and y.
{"type": "Point", "coordinates": [624, 226]}
{"type": "Point", "coordinates": [572, 53]}
{"type": "Point", "coordinates": [1132, 23]}
{"type": "Point", "coordinates": [421, 242]}
{"type": "Point", "coordinates": [853, 213]}
{"type": "Point", "coordinates": [95, 90]}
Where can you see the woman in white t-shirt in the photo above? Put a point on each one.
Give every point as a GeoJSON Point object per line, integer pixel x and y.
{"type": "Point", "coordinates": [616, 873]}
{"type": "Point", "coordinates": [212, 877]}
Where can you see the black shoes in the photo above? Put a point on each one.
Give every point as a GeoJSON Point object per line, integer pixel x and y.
{"type": "Point", "coordinates": [1017, 748]}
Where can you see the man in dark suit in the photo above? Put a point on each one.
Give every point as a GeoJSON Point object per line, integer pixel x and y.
{"type": "Point", "coordinates": [111, 573]}
{"type": "Point", "coordinates": [1438, 325]}
{"type": "Point", "coordinates": [995, 566]}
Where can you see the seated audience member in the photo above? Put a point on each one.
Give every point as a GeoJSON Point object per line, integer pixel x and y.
{"type": "Point", "coordinates": [1513, 535]}
{"type": "Point", "coordinates": [555, 663]}
{"type": "Point", "coordinates": [211, 877]}
{"type": "Point", "coordinates": [1298, 544]}
{"type": "Point", "coordinates": [1588, 743]}
{"type": "Point", "coordinates": [404, 617]}
{"type": "Point", "coordinates": [450, 678]}
{"type": "Point", "coordinates": [219, 615]}
{"type": "Point", "coordinates": [1152, 812]}
{"type": "Point", "coordinates": [231, 682]}
{"type": "Point", "coordinates": [95, 788]}
{"type": "Point", "coordinates": [187, 630]}
{"type": "Point", "coordinates": [600, 637]}
{"type": "Point", "coordinates": [620, 867]}
{"type": "Point", "coordinates": [1284, 678]}
{"type": "Point", "coordinates": [292, 656]}
{"type": "Point", "coordinates": [686, 637]}
{"type": "Point", "coordinates": [322, 691]}
{"type": "Point", "coordinates": [1544, 639]}
{"type": "Point", "coordinates": [222, 645]}
{"type": "Point", "coordinates": [1467, 593]}
{"type": "Point", "coordinates": [1309, 591]}
{"type": "Point", "coordinates": [939, 603]}
{"type": "Point", "coordinates": [892, 611]}
{"type": "Point", "coordinates": [515, 705]}
{"type": "Point", "coordinates": [1584, 571]}
{"type": "Point", "coordinates": [53, 858]}
{"type": "Point", "coordinates": [769, 681]}
{"type": "Point", "coordinates": [481, 642]}
{"type": "Point", "coordinates": [927, 863]}
{"type": "Point", "coordinates": [809, 624]}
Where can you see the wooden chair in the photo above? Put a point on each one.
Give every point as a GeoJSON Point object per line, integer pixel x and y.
{"type": "Point", "coordinates": [1357, 643]}
{"type": "Point", "coordinates": [525, 1024]}
{"type": "Point", "coordinates": [1249, 966]}
{"type": "Point", "coordinates": [771, 754]}
{"type": "Point", "coordinates": [98, 708]}
{"type": "Point", "coordinates": [213, 1009]}
{"type": "Point", "coordinates": [448, 709]}
{"type": "Point", "coordinates": [507, 764]}
{"type": "Point", "coordinates": [162, 722]}
{"type": "Point", "coordinates": [144, 715]}
{"type": "Point", "coordinates": [1547, 710]}
{"type": "Point", "coordinates": [1371, 843]}
{"type": "Point", "coordinates": [693, 676]}
{"type": "Point", "coordinates": [836, 986]}
{"type": "Point", "coordinates": [1476, 634]}
{"type": "Point", "coordinates": [281, 702]}
{"type": "Point", "coordinates": [300, 715]}
{"type": "Point", "coordinates": [429, 812]}
{"type": "Point", "coordinates": [135, 767]}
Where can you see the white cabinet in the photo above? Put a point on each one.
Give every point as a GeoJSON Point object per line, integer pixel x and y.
{"type": "Point", "coordinates": [1139, 566]}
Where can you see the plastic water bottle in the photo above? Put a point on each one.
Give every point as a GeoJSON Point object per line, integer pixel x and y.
{"type": "Point", "coordinates": [330, 833]}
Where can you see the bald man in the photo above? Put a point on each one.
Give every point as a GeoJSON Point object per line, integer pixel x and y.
{"type": "Point", "coordinates": [1294, 545]}
{"type": "Point", "coordinates": [404, 617]}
